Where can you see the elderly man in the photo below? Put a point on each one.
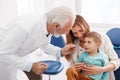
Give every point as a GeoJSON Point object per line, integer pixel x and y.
{"type": "Point", "coordinates": [29, 33]}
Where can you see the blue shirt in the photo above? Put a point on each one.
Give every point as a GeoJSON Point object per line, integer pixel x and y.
{"type": "Point", "coordinates": [100, 59]}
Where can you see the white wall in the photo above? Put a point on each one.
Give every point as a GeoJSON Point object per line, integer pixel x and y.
{"type": "Point", "coordinates": [103, 27]}
{"type": "Point", "coordinates": [8, 10]}
{"type": "Point", "coordinates": [49, 4]}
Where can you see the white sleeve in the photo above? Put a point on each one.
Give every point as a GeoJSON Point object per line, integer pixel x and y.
{"type": "Point", "coordinates": [9, 47]}
{"type": "Point", "coordinates": [52, 50]}
{"type": "Point", "coordinates": [107, 47]}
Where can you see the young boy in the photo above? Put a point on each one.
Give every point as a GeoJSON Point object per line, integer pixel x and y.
{"type": "Point", "coordinates": [92, 56]}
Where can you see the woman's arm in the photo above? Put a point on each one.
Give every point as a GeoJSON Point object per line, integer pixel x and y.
{"type": "Point", "coordinates": [91, 70]}
{"type": "Point", "coordinates": [107, 47]}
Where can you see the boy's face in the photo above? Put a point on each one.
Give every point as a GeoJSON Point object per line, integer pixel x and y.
{"type": "Point", "coordinates": [90, 45]}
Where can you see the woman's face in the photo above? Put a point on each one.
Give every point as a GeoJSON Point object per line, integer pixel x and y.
{"type": "Point", "coordinates": [78, 31]}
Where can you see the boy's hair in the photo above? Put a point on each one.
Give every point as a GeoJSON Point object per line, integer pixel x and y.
{"type": "Point", "coordinates": [96, 36]}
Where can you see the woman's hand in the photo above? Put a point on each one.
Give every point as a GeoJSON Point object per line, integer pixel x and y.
{"type": "Point", "coordinates": [91, 70]}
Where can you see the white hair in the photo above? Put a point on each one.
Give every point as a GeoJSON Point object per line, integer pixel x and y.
{"type": "Point", "coordinates": [62, 15]}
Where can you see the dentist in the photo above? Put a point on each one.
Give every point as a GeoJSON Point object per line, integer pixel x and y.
{"type": "Point", "coordinates": [29, 33]}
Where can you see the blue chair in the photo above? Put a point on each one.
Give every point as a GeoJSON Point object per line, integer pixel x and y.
{"type": "Point", "coordinates": [114, 35]}
{"type": "Point", "coordinates": [55, 67]}
{"type": "Point", "coordinates": [60, 42]}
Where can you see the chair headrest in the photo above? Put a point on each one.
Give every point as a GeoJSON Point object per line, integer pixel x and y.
{"type": "Point", "coordinates": [114, 35]}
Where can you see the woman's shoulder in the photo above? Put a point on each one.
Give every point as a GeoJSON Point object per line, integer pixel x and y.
{"type": "Point", "coordinates": [104, 36]}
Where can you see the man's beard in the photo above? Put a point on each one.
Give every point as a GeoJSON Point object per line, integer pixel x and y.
{"type": "Point", "coordinates": [56, 34]}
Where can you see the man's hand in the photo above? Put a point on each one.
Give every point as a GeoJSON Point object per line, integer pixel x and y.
{"type": "Point", "coordinates": [39, 67]}
{"type": "Point", "coordinates": [68, 49]}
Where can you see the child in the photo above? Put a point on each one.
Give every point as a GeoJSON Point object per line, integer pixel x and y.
{"type": "Point", "coordinates": [92, 56]}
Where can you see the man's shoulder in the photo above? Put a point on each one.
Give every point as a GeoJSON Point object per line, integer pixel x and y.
{"type": "Point", "coordinates": [27, 19]}
{"type": "Point", "coordinates": [26, 22]}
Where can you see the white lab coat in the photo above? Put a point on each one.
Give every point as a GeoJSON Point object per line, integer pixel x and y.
{"type": "Point", "coordinates": [24, 36]}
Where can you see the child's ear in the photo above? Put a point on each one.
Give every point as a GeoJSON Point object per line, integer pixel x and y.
{"type": "Point", "coordinates": [98, 44]}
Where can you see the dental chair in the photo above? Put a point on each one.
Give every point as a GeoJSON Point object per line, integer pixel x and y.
{"type": "Point", "coordinates": [114, 35]}
{"type": "Point", "coordinates": [60, 42]}
{"type": "Point", "coordinates": [55, 67]}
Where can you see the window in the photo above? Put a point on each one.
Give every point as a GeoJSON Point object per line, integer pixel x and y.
{"type": "Point", "coordinates": [41, 6]}
{"type": "Point", "coordinates": [101, 11]}
{"type": "Point", "coordinates": [30, 6]}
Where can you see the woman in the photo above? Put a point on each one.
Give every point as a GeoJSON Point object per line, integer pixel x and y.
{"type": "Point", "coordinates": [80, 28]}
